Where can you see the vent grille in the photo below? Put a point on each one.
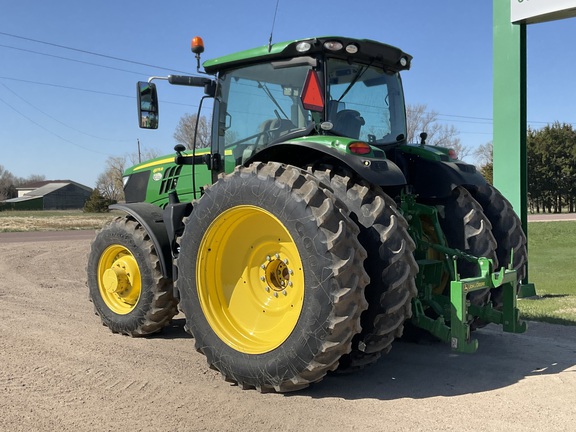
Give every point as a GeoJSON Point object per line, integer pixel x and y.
{"type": "Point", "coordinates": [170, 179]}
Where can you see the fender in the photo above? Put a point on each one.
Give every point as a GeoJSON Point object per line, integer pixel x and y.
{"type": "Point", "coordinates": [375, 170]}
{"type": "Point", "coordinates": [151, 219]}
{"type": "Point", "coordinates": [433, 176]}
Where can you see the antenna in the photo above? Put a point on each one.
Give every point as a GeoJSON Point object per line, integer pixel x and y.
{"type": "Point", "coordinates": [272, 31]}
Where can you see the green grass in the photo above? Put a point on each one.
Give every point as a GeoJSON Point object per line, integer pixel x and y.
{"type": "Point", "coordinates": [552, 267]}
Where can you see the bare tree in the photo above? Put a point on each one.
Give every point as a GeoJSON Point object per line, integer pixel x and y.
{"type": "Point", "coordinates": [420, 119]}
{"type": "Point", "coordinates": [186, 131]}
{"type": "Point", "coordinates": [109, 183]}
{"type": "Point", "coordinates": [7, 184]}
{"type": "Point", "coordinates": [484, 157]}
{"type": "Point", "coordinates": [145, 154]}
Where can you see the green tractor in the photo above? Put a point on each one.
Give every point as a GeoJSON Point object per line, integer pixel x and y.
{"type": "Point", "coordinates": [311, 232]}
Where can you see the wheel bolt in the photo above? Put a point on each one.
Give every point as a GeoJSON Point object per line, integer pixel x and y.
{"type": "Point", "coordinates": [275, 294]}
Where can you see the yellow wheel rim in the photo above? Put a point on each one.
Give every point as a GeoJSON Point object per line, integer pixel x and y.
{"type": "Point", "coordinates": [119, 279]}
{"type": "Point", "coordinates": [250, 279]}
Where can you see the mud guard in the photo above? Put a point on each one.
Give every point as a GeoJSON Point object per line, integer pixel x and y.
{"type": "Point", "coordinates": [435, 179]}
{"type": "Point", "coordinates": [151, 219]}
{"type": "Point", "coordinates": [380, 171]}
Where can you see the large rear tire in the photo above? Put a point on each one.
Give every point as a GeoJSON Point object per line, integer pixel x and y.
{"type": "Point", "coordinates": [125, 282]}
{"type": "Point", "coordinates": [271, 278]}
{"type": "Point", "coordinates": [390, 265]}
{"type": "Point", "coordinates": [507, 230]}
{"type": "Point", "coordinates": [467, 228]}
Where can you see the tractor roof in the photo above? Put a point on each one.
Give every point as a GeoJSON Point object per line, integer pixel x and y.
{"type": "Point", "coordinates": [367, 51]}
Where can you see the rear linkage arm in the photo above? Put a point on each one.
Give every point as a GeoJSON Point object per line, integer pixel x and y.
{"type": "Point", "coordinates": [455, 313]}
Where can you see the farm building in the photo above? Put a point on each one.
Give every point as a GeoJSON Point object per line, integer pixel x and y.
{"type": "Point", "coordinates": [49, 195]}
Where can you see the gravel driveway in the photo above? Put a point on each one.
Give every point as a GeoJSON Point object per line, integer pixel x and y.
{"type": "Point", "coordinates": [61, 370]}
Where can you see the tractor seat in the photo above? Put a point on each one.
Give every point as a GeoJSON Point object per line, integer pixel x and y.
{"type": "Point", "coordinates": [348, 123]}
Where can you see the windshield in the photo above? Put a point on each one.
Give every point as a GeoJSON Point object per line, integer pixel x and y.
{"type": "Point", "coordinates": [365, 103]}
{"type": "Point", "coordinates": [262, 106]}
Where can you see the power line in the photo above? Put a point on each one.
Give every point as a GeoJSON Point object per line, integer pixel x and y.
{"type": "Point", "coordinates": [66, 87]}
{"type": "Point", "coordinates": [48, 130]}
{"type": "Point", "coordinates": [92, 53]}
{"type": "Point", "coordinates": [88, 90]}
{"type": "Point", "coordinates": [58, 121]}
{"type": "Point", "coordinates": [71, 59]}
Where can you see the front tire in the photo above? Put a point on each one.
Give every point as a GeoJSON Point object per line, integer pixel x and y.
{"type": "Point", "coordinates": [271, 278]}
{"type": "Point", "coordinates": [125, 282]}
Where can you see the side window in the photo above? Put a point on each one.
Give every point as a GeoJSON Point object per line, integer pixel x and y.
{"type": "Point", "coordinates": [261, 105]}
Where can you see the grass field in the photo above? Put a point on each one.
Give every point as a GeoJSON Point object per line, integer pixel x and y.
{"type": "Point", "coordinates": [552, 253]}
{"type": "Point", "coordinates": [57, 220]}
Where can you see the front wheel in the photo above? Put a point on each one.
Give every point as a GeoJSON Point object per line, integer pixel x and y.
{"type": "Point", "coordinates": [125, 283]}
{"type": "Point", "coordinates": [271, 278]}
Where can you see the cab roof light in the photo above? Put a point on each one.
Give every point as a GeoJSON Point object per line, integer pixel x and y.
{"type": "Point", "coordinates": [359, 148]}
{"type": "Point", "coordinates": [333, 45]}
{"type": "Point", "coordinates": [351, 48]}
{"type": "Point", "coordinates": [303, 47]}
{"type": "Point", "coordinates": [452, 154]}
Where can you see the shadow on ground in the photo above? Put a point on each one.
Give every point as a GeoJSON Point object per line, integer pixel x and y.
{"type": "Point", "coordinates": [423, 371]}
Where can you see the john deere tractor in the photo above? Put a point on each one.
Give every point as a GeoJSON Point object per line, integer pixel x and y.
{"type": "Point", "coordinates": [310, 233]}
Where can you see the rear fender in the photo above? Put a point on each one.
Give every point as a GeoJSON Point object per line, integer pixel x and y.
{"type": "Point", "coordinates": [432, 177]}
{"type": "Point", "coordinates": [379, 171]}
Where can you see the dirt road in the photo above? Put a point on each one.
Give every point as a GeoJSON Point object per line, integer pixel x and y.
{"type": "Point", "coordinates": [60, 370]}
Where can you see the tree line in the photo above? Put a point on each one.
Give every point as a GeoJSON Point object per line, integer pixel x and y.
{"type": "Point", "coordinates": [551, 155]}
{"type": "Point", "coordinates": [10, 182]}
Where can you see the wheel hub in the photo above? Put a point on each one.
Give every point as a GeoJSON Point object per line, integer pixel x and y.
{"type": "Point", "coordinates": [119, 279]}
{"type": "Point", "coordinates": [115, 280]}
{"type": "Point", "coordinates": [276, 274]}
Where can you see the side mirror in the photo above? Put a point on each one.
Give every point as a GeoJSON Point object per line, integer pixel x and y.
{"type": "Point", "coordinates": [147, 105]}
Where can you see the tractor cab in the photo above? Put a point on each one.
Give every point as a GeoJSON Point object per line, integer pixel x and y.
{"type": "Point", "coordinates": [299, 92]}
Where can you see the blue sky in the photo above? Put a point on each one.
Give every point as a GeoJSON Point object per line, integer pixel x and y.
{"type": "Point", "coordinates": [64, 112]}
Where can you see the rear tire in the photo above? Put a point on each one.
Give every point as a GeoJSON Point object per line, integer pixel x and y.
{"type": "Point", "coordinates": [508, 232]}
{"type": "Point", "coordinates": [390, 265]}
{"type": "Point", "coordinates": [125, 282]}
{"type": "Point", "coordinates": [467, 228]}
{"type": "Point", "coordinates": [271, 278]}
